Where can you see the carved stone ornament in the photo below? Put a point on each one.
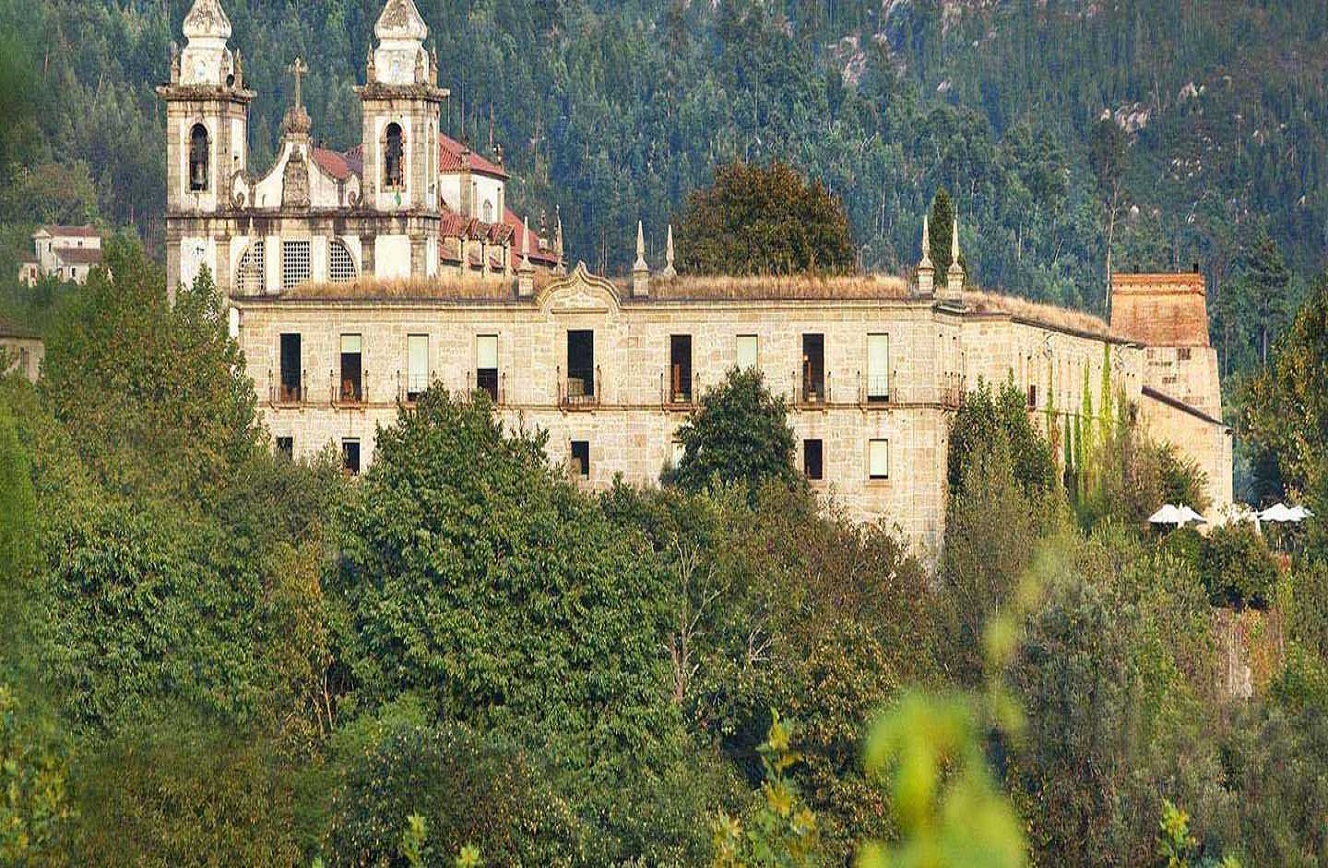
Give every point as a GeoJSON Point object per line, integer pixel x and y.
{"type": "Point", "coordinates": [207, 20]}
{"type": "Point", "coordinates": [295, 182]}
{"type": "Point", "coordinates": [400, 20]}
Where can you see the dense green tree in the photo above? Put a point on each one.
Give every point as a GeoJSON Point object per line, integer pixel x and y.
{"type": "Point", "coordinates": [154, 395]}
{"type": "Point", "coordinates": [764, 220]}
{"type": "Point", "coordinates": [1237, 567]}
{"type": "Point", "coordinates": [988, 415]}
{"type": "Point", "coordinates": [470, 789]}
{"type": "Point", "coordinates": [186, 793]}
{"type": "Point", "coordinates": [1267, 281]}
{"type": "Point", "coordinates": [941, 232]}
{"type": "Point", "coordinates": [739, 434]}
{"type": "Point", "coordinates": [1287, 405]}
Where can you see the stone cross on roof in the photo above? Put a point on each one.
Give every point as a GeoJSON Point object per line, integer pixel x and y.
{"type": "Point", "coordinates": [298, 69]}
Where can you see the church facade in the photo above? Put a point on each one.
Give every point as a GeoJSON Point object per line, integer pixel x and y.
{"type": "Point", "coordinates": [357, 280]}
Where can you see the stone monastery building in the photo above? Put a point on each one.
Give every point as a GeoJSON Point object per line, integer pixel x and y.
{"type": "Point", "coordinates": [356, 280]}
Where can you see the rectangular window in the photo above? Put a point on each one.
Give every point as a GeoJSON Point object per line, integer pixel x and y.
{"type": "Point", "coordinates": [678, 450]}
{"type": "Point", "coordinates": [747, 352]}
{"type": "Point", "coordinates": [286, 447]}
{"type": "Point", "coordinates": [1183, 354]}
{"type": "Point", "coordinates": [417, 366]}
{"type": "Point", "coordinates": [1032, 396]}
{"type": "Point", "coordinates": [352, 372]}
{"type": "Point", "coordinates": [581, 458]}
{"type": "Point", "coordinates": [878, 459]}
{"type": "Point", "coordinates": [878, 367]}
{"type": "Point", "coordinates": [486, 365]}
{"type": "Point", "coordinates": [812, 459]}
{"type": "Point", "coordinates": [294, 263]}
{"type": "Point", "coordinates": [680, 368]}
{"type": "Point", "coordinates": [580, 366]}
{"type": "Point", "coordinates": [350, 456]}
{"type": "Point", "coordinates": [292, 370]}
{"type": "Point", "coordinates": [813, 368]}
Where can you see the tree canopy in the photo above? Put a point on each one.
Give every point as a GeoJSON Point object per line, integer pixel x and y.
{"type": "Point", "coordinates": [764, 220]}
{"type": "Point", "coordinates": [739, 434]}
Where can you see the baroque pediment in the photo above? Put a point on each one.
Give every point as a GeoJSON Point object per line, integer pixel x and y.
{"type": "Point", "coordinates": [579, 292]}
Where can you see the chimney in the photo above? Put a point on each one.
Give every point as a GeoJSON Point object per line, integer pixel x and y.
{"type": "Point", "coordinates": [640, 270]}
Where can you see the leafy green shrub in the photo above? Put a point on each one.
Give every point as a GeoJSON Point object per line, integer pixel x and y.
{"type": "Point", "coordinates": [182, 792]}
{"type": "Point", "coordinates": [1237, 568]}
{"type": "Point", "coordinates": [464, 788]}
{"type": "Point", "coordinates": [739, 435]}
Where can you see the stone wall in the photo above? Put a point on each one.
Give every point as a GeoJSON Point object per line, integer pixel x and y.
{"type": "Point", "coordinates": [934, 354]}
{"type": "Point", "coordinates": [25, 355]}
{"type": "Point", "coordinates": [1201, 438]}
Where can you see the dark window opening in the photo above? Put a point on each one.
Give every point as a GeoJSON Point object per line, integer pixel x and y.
{"type": "Point", "coordinates": [1183, 354]}
{"type": "Point", "coordinates": [811, 459]}
{"type": "Point", "coordinates": [198, 158]}
{"type": "Point", "coordinates": [394, 169]}
{"type": "Point", "coordinates": [813, 368]}
{"type": "Point", "coordinates": [680, 368]}
{"type": "Point", "coordinates": [291, 377]}
{"type": "Point", "coordinates": [486, 380]}
{"type": "Point", "coordinates": [350, 456]}
{"type": "Point", "coordinates": [352, 382]}
{"type": "Point", "coordinates": [580, 365]}
{"type": "Point", "coordinates": [581, 458]}
{"type": "Point", "coordinates": [286, 447]}
{"type": "Point", "coordinates": [1032, 397]}
{"type": "Point", "coordinates": [486, 365]}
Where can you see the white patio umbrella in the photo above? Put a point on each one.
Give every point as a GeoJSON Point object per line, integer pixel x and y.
{"type": "Point", "coordinates": [1168, 514]}
{"type": "Point", "coordinates": [1280, 513]}
{"type": "Point", "coordinates": [1189, 515]}
{"type": "Point", "coordinates": [1300, 513]}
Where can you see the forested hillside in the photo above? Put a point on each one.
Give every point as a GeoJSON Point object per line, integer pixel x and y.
{"type": "Point", "coordinates": [614, 111]}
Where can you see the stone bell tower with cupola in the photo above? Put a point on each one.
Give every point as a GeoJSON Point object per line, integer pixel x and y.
{"type": "Point", "coordinates": [207, 131]}
{"type": "Point", "coordinates": [402, 109]}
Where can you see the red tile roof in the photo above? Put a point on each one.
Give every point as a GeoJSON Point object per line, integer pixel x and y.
{"type": "Point", "coordinates": [79, 255]}
{"type": "Point", "coordinates": [454, 156]}
{"type": "Point", "coordinates": [70, 231]}
{"type": "Point", "coordinates": [332, 163]}
{"type": "Point", "coordinates": [338, 165]}
{"type": "Point", "coordinates": [542, 257]}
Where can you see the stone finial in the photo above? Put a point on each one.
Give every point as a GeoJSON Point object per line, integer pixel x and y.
{"type": "Point", "coordinates": [954, 277]}
{"type": "Point", "coordinates": [561, 268]}
{"type": "Point", "coordinates": [298, 70]}
{"type": "Point", "coordinates": [207, 20]}
{"type": "Point", "coordinates": [669, 271]}
{"type": "Point", "coordinates": [401, 20]}
{"type": "Point", "coordinates": [525, 276]}
{"type": "Point", "coordinates": [926, 270]}
{"type": "Point", "coordinates": [205, 60]}
{"type": "Point", "coordinates": [640, 270]}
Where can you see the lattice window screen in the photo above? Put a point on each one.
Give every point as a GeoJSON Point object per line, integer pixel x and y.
{"type": "Point", "coordinates": [295, 268]}
{"type": "Point", "coordinates": [341, 267]}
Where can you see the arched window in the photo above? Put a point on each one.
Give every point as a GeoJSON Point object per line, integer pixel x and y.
{"type": "Point", "coordinates": [395, 158]}
{"type": "Point", "coordinates": [488, 211]}
{"type": "Point", "coordinates": [340, 265]}
{"type": "Point", "coordinates": [249, 276]}
{"type": "Point", "coordinates": [198, 158]}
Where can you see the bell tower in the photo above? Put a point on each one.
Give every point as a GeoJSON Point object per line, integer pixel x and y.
{"type": "Point", "coordinates": [402, 105]}
{"type": "Point", "coordinates": [207, 133]}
